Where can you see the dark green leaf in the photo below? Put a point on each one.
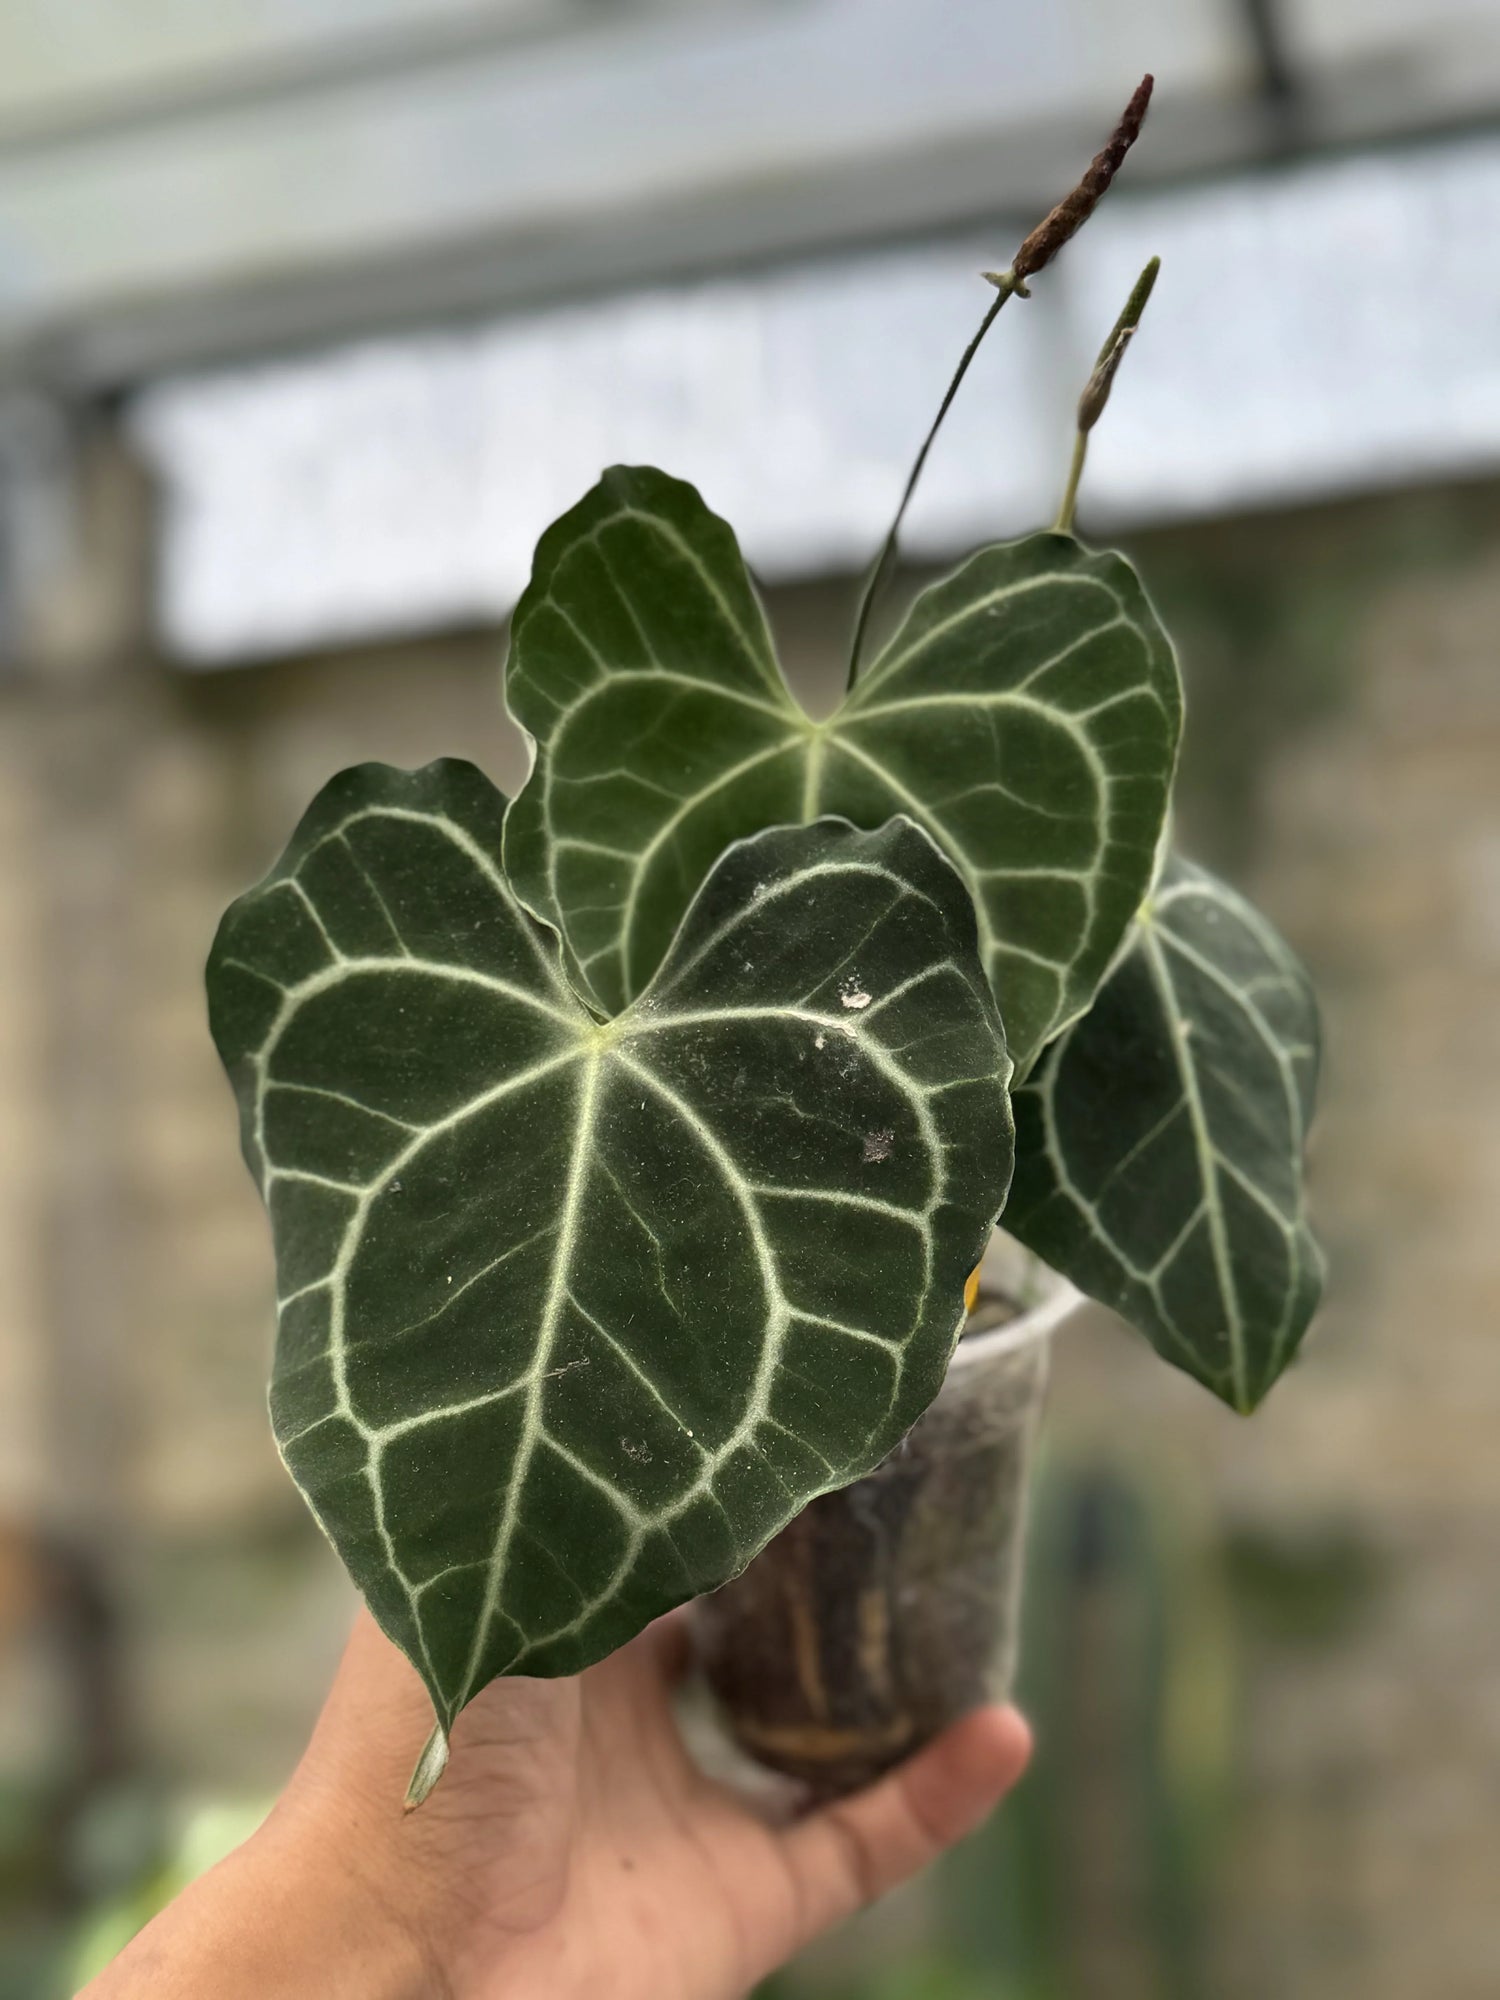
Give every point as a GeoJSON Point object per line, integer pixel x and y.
{"type": "Point", "coordinates": [576, 1314]}
{"type": "Point", "coordinates": [1159, 1144]}
{"type": "Point", "coordinates": [1026, 714]}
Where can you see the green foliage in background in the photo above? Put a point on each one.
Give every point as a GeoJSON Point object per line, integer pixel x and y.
{"type": "Point", "coordinates": [210, 1833]}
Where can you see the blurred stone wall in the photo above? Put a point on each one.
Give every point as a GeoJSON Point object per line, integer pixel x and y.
{"type": "Point", "coordinates": [1343, 764]}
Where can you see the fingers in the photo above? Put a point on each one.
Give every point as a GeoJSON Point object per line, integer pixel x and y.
{"type": "Point", "coordinates": [848, 1854]}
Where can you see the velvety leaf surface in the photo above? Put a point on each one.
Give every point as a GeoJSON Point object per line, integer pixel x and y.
{"type": "Point", "coordinates": [1026, 714]}
{"type": "Point", "coordinates": [575, 1315]}
{"type": "Point", "coordinates": [1159, 1143]}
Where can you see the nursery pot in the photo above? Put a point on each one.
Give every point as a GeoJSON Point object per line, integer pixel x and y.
{"type": "Point", "coordinates": [887, 1610]}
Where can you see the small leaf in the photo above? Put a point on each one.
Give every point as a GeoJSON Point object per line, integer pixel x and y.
{"type": "Point", "coordinates": [1159, 1144]}
{"type": "Point", "coordinates": [1026, 714]}
{"type": "Point", "coordinates": [576, 1314]}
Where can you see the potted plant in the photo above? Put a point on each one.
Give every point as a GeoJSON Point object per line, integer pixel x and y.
{"type": "Point", "coordinates": [629, 1146]}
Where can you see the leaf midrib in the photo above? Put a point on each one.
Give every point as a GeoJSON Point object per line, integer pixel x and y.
{"type": "Point", "coordinates": [1208, 1161]}
{"type": "Point", "coordinates": [557, 1294]}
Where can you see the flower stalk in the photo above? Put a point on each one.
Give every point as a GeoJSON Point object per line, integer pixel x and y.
{"type": "Point", "coordinates": [1057, 228]}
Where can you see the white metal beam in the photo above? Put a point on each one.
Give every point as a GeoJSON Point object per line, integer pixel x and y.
{"type": "Point", "coordinates": [1317, 330]}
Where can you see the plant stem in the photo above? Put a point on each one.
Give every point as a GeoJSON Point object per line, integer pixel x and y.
{"type": "Point", "coordinates": [1063, 525]}
{"type": "Point", "coordinates": [1006, 285]}
{"type": "Point", "coordinates": [1057, 228]}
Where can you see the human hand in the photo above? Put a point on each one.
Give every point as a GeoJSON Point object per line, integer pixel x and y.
{"type": "Point", "coordinates": [572, 1849]}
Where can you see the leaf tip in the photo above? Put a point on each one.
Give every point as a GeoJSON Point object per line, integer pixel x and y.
{"type": "Point", "coordinates": [430, 1767]}
{"type": "Point", "coordinates": [1244, 1396]}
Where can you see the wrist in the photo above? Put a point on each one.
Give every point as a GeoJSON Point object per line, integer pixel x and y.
{"type": "Point", "coordinates": [282, 1917]}
{"type": "Point", "coordinates": [342, 1927]}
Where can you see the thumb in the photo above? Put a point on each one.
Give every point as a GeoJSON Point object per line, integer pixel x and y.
{"type": "Point", "coordinates": [846, 1855]}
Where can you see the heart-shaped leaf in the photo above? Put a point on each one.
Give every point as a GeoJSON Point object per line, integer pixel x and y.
{"type": "Point", "coordinates": [1026, 714]}
{"type": "Point", "coordinates": [575, 1314]}
{"type": "Point", "coordinates": [1159, 1144]}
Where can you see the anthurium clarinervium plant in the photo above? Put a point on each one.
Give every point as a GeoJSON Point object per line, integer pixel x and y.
{"type": "Point", "coordinates": [627, 1146]}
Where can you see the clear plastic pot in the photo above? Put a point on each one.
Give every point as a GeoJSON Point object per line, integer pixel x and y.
{"type": "Point", "coordinates": [887, 1610]}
